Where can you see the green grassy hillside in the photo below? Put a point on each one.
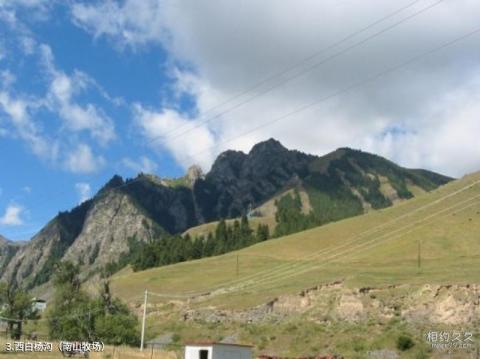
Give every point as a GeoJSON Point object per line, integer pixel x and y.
{"type": "Point", "coordinates": [377, 248]}
{"type": "Point", "coordinates": [378, 252]}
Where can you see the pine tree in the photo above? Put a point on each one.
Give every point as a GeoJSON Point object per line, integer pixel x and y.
{"type": "Point", "coordinates": [209, 247]}
{"type": "Point", "coordinates": [197, 249]}
{"type": "Point", "coordinates": [245, 231]}
{"type": "Point", "coordinates": [263, 232]}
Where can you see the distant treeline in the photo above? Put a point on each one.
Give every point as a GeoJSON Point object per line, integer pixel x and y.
{"type": "Point", "coordinates": [174, 249]}
{"type": "Point", "coordinates": [291, 218]}
{"type": "Point", "coordinates": [164, 249]}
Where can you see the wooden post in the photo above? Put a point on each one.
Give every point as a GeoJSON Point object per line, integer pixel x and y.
{"type": "Point", "coordinates": [238, 268]}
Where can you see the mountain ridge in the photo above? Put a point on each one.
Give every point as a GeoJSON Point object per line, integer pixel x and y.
{"type": "Point", "coordinates": [343, 183]}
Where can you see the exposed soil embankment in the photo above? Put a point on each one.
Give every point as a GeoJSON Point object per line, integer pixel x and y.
{"type": "Point", "coordinates": [446, 304]}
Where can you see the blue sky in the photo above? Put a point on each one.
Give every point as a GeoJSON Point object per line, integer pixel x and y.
{"type": "Point", "coordinates": [89, 89]}
{"type": "Point", "coordinates": [32, 181]}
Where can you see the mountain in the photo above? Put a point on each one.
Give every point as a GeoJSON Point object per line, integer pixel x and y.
{"type": "Point", "coordinates": [98, 232]}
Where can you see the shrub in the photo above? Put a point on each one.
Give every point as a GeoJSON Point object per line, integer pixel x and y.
{"type": "Point", "coordinates": [404, 342]}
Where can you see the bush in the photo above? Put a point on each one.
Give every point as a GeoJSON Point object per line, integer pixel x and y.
{"type": "Point", "coordinates": [75, 315]}
{"type": "Point", "coordinates": [117, 329]}
{"type": "Point", "coordinates": [404, 342]}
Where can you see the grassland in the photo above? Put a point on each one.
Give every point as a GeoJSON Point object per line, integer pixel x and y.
{"type": "Point", "coordinates": [379, 248]}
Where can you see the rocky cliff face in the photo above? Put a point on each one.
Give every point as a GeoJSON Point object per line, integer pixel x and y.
{"type": "Point", "coordinates": [34, 262]}
{"type": "Point", "coordinates": [8, 249]}
{"type": "Point", "coordinates": [110, 223]}
{"type": "Point", "coordinates": [237, 180]}
{"type": "Point", "coordinates": [97, 232]}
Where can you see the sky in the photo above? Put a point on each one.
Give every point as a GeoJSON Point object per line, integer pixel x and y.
{"type": "Point", "coordinates": [89, 89]}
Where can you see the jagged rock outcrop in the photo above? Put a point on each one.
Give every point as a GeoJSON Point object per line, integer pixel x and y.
{"type": "Point", "coordinates": [194, 173]}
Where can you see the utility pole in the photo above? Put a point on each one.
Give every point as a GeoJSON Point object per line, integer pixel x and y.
{"type": "Point", "coordinates": [143, 320]}
{"type": "Point", "coordinates": [238, 269]}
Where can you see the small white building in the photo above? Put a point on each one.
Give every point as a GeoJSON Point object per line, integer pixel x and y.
{"type": "Point", "coordinates": [39, 304]}
{"type": "Point", "coordinates": [211, 350]}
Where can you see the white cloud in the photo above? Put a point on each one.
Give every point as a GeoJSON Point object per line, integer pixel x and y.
{"type": "Point", "coordinates": [12, 216]}
{"type": "Point", "coordinates": [83, 160]}
{"type": "Point", "coordinates": [30, 115]}
{"type": "Point", "coordinates": [143, 164]}
{"type": "Point", "coordinates": [154, 125]}
{"type": "Point", "coordinates": [452, 147]}
{"type": "Point", "coordinates": [27, 189]}
{"type": "Point", "coordinates": [240, 45]}
{"type": "Point", "coordinates": [133, 23]}
{"type": "Point", "coordinates": [17, 111]}
{"type": "Point", "coordinates": [84, 191]}
{"type": "Point", "coordinates": [38, 9]}
{"type": "Point", "coordinates": [60, 98]}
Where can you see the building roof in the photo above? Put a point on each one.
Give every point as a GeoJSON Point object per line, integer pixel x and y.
{"type": "Point", "coordinates": [38, 300]}
{"type": "Point", "coordinates": [209, 343]}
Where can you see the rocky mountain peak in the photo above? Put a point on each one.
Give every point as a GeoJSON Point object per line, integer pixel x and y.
{"type": "Point", "coordinates": [194, 173]}
{"type": "Point", "coordinates": [270, 146]}
{"type": "Point", "coordinates": [114, 182]}
{"type": "Point", "coordinates": [227, 164]}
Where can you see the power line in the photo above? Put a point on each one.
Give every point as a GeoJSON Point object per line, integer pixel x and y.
{"type": "Point", "coordinates": [386, 236]}
{"type": "Point", "coordinates": [340, 92]}
{"type": "Point", "coordinates": [370, 245]}
{"type": "Point", "coordinates": [312, 67]}
{"type": "Point", "coordinates": [359, 236]}
{"type": "Point", "coordinates": [301, 268]}
{"type": "Point", "coordinates": [317, 254]}
{"type": "Point", "coordinates": [317, 64]}
{"type": "Point", "coordinates": [303, 61]}
{"type": "Point", "coordinates": [418, 224]}
{"type": "Point", "coordinates": [287, 267]}
{"type": "Point", "coordinates": [294, 66]}
{"type": "Point", "coordinates": [349, 88]}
